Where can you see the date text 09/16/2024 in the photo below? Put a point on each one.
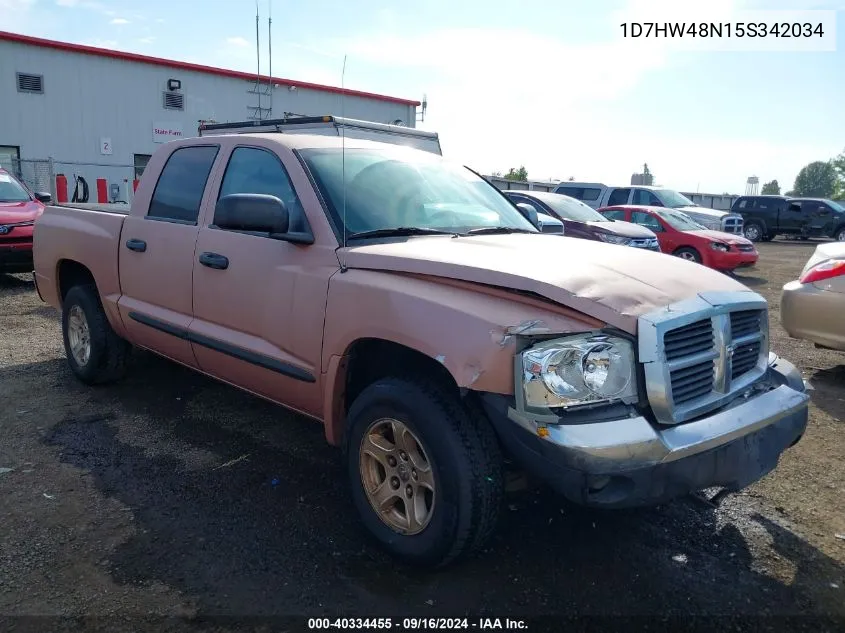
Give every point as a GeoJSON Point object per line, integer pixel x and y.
{"type": "Point", "coordinates": [416, 624]}
{"type": "Point", "coordinates": [722, 29]}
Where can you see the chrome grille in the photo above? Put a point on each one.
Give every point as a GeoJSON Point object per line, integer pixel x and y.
{"type": "Point", "coordinates": [745, 322]}
{"type": "Point", "coordinates": [688, 340]}
{"type": "Point", "coordinates": [732, 224]}
{"type": "Point", "coordinates": [746, 248]}
{"type": "Point", "coordinates": [692, 382]}
{"type": "Point", "coordinates": [698, 354]}
{"type": "Point", "coordinates": [644, 242]}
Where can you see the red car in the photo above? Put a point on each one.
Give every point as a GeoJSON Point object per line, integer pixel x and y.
{"type": "Point", "coordinates": [19, 208]}
{"type": "Point", "coordinates": [682, 236]}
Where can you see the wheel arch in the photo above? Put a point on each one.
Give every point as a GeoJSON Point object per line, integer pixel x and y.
{"type": "Point", "coordinates": [368, 359]}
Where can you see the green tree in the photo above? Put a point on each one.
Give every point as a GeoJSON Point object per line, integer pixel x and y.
{"type": "Point", "coordinates": [816, 180]}
{"type": "Point", "coordinates": [839, 166]}
{"type": "Point", "coordinates": [771, 188]}
{"type": "Point", "coordinates": [517, 174]}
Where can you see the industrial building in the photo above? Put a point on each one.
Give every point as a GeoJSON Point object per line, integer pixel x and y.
{"type": "Point", "coordinates": [69, 110]}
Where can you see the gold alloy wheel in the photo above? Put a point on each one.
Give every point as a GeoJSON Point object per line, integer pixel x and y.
{"type": "Point", "coordinates": [79, 336]}
{"type": "Point", "coordinates": [397, 476]}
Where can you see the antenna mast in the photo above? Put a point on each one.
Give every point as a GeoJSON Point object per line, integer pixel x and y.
{"type": "Point", "coordinates": [257, 62]}
{"type": "Point", "coordinates": [270, 50]}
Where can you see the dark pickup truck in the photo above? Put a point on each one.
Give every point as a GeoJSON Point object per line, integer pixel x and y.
{"type": "Point", "coordinates": [768, 216]}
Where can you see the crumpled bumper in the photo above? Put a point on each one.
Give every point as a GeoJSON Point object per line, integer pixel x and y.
{"type": "Point", "coordinates": [633, 461]}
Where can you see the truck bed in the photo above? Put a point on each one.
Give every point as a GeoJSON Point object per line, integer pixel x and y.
{"type": "Point", "coordinates": [121, 209]}
{"type": "Point", "coordinates": [88, 234]}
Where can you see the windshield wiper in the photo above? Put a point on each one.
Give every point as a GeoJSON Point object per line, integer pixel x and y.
{"type": "Point", "coordinates": [399, 231]}
{"type": "Point", "coordinates": [491, 230]}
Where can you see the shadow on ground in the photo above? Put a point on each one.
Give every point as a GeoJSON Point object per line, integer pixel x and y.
{"type": "Point", "coordinates": [12, 284]}
{"type": "Point", "coordinates": [275, 533]}
{"type": "Point", "coordinates": [829, 391]}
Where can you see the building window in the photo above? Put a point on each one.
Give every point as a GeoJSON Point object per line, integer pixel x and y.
{"type": "Point", "coordinates": [141, 161]}
{"type": "Point", "coordinates": [174, 101]}
{"type": "Point", "coordinates": [30, 83]}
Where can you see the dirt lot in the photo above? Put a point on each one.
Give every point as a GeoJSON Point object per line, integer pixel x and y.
{"type": "Point", "coordinates": [171, 494]}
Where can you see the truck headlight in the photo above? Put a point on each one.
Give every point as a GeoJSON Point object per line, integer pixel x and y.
{"type": "Point", "coordinates": [584, 369]}
{"type": "Point", "coordinates": [615, 239]}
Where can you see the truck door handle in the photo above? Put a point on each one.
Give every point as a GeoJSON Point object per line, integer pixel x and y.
{"type": "Point", "coordinates": [139, 246]}
{"type": "Point", "coordinates": [213, 260]}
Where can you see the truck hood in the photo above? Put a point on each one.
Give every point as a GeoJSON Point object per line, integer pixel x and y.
{"type": "Point", "coordinates": [721, 236]}
{"type": "Point", "coordinates": [612, 283]}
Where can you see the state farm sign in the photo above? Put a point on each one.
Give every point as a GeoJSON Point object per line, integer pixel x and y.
{"type": "Point", "coordinates": [163, 132]}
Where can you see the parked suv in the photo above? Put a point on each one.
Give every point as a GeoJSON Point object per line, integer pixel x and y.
{"type": "Point", "coordinates": [19, 208]}
{"type": "Point", "coordinates": [599, 196]}
{"type": "Point", "coordinates": [768, 216]}
{"type": "Point", "coordinates": [582, 221]}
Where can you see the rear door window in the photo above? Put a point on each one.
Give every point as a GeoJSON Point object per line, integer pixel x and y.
{"type": "Point", "coordinates": [618, 196]}
{"type": "Point", "coordinates": [647, 220]}
{"type": "Point", "coordinates": [580, 193]}
{"type": "Point", "coordinates": [615, 214]}
{"type": "Point", "coordinates": [180, 186]}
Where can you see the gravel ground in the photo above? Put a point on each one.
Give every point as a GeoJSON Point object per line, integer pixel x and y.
{"type": "Point", "coordinates": [170, 494]}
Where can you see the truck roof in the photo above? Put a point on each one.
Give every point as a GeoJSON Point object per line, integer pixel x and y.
{"type": "Point", "coordinates": [307, 141]}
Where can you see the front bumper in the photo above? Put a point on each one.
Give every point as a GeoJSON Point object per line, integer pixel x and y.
{"type": "Point", "coordinates": [807, 312]}
{"type": "Point", "coordinates": [16, 256]}
{"type": "Point", "coordinates": [633, 462]}
{"type": "Point", "coordinates": [733, 260]}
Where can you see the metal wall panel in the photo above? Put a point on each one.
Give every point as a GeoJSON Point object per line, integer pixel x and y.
{"type": "Point", "coordinates": [88, 100]}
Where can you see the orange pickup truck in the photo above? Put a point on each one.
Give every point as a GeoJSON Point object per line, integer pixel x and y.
{"type": "Point", "coordinates": [410, 308]}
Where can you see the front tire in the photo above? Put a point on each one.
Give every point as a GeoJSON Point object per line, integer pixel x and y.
{"type": "Point", "coordinates": [425, 472]}
{"type": "Point", "coordinates": [688, 253]}
{"type": "Point", "coordinates": [754, 231]}
{"type": "Point", "coordinates": [95, 353]}
{"type": "Point", "coordinates": [840, 235]}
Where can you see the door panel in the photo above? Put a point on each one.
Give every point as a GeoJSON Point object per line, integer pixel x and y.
{"type": "Point", "coordinates": [792, 218]}
{"type": "Point", "coordinates": [156, 255]}
{"type": "Point", "coordinates": [258, 322]}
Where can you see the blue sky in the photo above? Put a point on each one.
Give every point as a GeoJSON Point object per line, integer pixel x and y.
{"type": "Point", "coordinates": [545, 83]}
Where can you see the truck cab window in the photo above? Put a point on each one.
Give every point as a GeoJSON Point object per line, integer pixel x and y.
{"type": "Point", "coordinates": [254, 170]}
{"type": "Point", "coordinates": [179, 189]}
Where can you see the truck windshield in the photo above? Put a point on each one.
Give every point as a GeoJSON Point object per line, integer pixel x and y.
{"type": "Point", "coordinates": [374, 189]}
{"type": "Point", "coordinates": [836, 206]}
{"type": "Point", "coordinates": [11, 190]}
{"type": "Point", "coordinates": [673, 199]}
{"type": "Point", "coordinates": [680, 221]}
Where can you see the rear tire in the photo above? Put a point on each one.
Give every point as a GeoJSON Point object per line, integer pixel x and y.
{"type": "Point", "coordinates": [95, 353]}
{"type": "Point", "coordinates": [446, 471]}
{"type": "Point", "coordinates": [840, 234]}
{"type": "Point", "coordinates": [688, 253]}
{"type": "Point", "coordinates": [753, 231]}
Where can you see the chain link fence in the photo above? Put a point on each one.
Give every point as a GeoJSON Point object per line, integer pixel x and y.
{"type": "Point", "coordinates": [37, 174]}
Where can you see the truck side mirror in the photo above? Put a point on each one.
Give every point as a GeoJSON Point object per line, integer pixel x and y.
{"type": "Point", "coordinates": [254, 212]}
{"type": "Point", "coordinates": [530, 213]}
